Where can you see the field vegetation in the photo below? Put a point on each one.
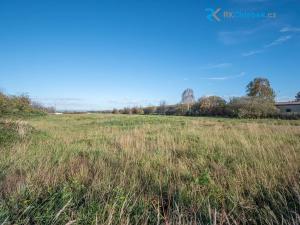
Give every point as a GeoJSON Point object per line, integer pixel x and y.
{"type": "Point", "coordinates": [136, 169]}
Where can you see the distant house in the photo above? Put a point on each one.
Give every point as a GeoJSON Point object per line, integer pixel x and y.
{"type": "Point", "coordinates": [288, 107]}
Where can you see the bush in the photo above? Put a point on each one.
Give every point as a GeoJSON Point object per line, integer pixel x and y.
{"type": "Point", "coordinates": [19, 105]}
{"type": "Point", "coordinates": [126, 110]}
{"type": "Point", "coordinates": [182, 109]}
{"type": "Point", "coordinates": [115, 111]}
{"type": "Point", "coordinates": [137, 110]}
{"type": "Point", "coordinates": [252, 107]}
{"type": "Point", "coordinates": [4, 104]}
{"type": "Point", "coordinates": [149, 110]}
{"type": "Point", "coordinates": [210, 106]}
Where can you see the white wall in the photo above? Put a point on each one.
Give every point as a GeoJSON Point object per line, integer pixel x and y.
{"type": "Point", "coordinates": [293, 108]}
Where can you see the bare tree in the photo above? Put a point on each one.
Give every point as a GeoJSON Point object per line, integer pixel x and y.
{"type": "Point", "coordinates": [298, 97]}
{"type": "Point", "coordinates": [187, 96]}
{"type": "Point", "coordinates": [162, 108]}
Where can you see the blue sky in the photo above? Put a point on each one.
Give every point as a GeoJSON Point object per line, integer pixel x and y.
{"type": "Point", "coordinates": [107, 53]}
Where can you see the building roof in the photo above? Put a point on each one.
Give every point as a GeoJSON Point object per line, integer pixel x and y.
{"type": "Point", "coordinates": [287, 103]}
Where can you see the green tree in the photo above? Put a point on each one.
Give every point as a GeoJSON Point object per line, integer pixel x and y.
{"type": "Point", "coordinates": [260, 87]}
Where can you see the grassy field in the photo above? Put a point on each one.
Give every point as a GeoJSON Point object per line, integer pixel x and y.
{"type": "Point", "coordinates": [120, 169]}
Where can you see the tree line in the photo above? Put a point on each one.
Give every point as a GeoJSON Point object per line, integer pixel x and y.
{"type": "Point", "coordinates": [259, 102]}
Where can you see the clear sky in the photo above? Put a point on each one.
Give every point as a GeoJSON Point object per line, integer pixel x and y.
{"type": "Point", "coordinates": [107, 53]}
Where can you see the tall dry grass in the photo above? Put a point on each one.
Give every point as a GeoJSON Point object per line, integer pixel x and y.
{"type": "Point", "coordinates": [118, 169]}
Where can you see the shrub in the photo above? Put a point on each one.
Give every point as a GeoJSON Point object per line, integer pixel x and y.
{"type": "Point", "coordinates": [19, 105]}
{"type": "Point", "coordinates": [115, 111]}
{"type": "Point", "coordinates": [126, 110]}
{"type": "Point", "coordinates": [251, 107]}
{"type": "Point", "coordinates": [182, 109]}
{"type": "Point", "coordinates": [171, 110]}
{"type": "Point", "coordinates": [137, 110]}
{"type": "Point", "coordinates": [210, 106]}
{"type": "Point", "coordinates": [4, 104]}
{"type": "Point", "coordinates": [149, 110]}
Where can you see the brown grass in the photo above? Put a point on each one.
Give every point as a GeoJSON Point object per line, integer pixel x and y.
{"type": "Point", "coordinates": [153, 169]}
